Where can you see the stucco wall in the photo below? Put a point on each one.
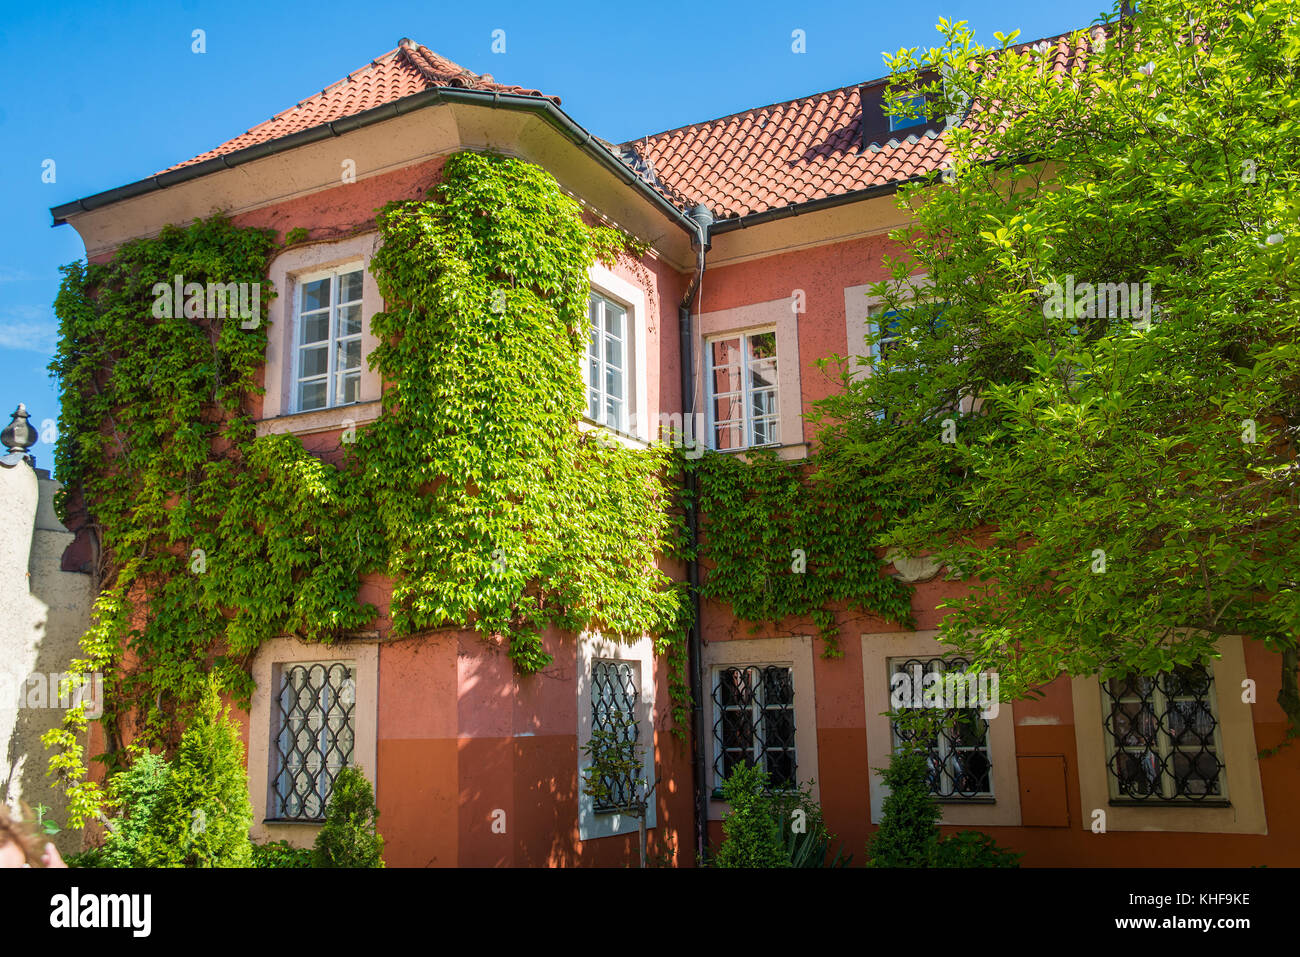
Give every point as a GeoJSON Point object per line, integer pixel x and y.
{"type": "Point", "coordinates": [46, 611]}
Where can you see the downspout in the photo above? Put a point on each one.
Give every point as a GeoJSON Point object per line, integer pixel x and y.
{"type": "Point", "coordinates": [695, 646]}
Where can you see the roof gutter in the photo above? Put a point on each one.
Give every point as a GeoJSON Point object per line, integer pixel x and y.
{"type": "Point", "coordinates": [540, 106]}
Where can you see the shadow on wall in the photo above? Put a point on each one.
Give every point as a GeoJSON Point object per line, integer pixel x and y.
{"type": "Point", "coordinates": [46, 611]}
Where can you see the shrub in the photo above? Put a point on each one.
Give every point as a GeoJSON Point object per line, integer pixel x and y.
{"type": "Point", "coordinates": [349, 838]}
{"type": "Point", "coordinates": [192, 812]}
{"type": "Point", "coordinates": [909, 820]}
{"type": "Point", "coordinates": [804, 834]}
{"type": "Point", "coordinates": [280, 854]}
{"type": "Point", "coordinates": [751, 834]}
{"type": "Point", "coordinates": [974, 849]}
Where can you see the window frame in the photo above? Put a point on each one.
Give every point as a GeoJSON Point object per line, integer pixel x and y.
{"type": "Point", "coordinates": [716, 671]}
{"type": "Point", "coordinates": [898, 122]}
{"type": "Point", "coordinates": [746, 392]}
{"type": "Point", "coordinates": [634, 668]}
{"type": "Point", "coordinates": [944, 747]}
{"type": "Point", "coordinates": [626, 358]}
{"type": "Point", "coordinates": [323, 786]}
{"type": "Point", "coordinates": [331, 375]}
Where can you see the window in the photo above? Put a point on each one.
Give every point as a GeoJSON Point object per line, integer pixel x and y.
{"type": "Point", "coordinates": [754, 722]}
{"type": "Point", "coordinates": [913, 115]}
{"type": "Point", "coordinates": [327, 350]}
{"type": "Point", "coordinates": [960, 768]}
{"type": "Point", "coordinates": [607, 364]}
{"type": "Point", "coordinates": [889, 328]}
{"type": "Point", "coordinates": [614, 696]}
{"type": "Point", "coordinates": [1162, 736]}
{"type": "Point", "coordinates": [314, 736]}
{"type": "Point", "coordinates": [743, 408]}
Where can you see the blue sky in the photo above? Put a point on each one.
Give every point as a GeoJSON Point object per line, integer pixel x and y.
{"type": "Point", "coordinates": [113, 92]}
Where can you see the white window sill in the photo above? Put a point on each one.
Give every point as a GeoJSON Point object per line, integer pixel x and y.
{"type": "Point", "coordinates": [321, 420]}
{"type": "Point", "coordinates": [796, 450]}
{"type": "Point", "coordinates": [628, 441]}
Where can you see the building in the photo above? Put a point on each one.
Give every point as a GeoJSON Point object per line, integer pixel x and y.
{"type": "Point", "coordinates": [788, 208]}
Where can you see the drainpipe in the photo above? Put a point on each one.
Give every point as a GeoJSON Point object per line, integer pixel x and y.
{"type": "Point", "coordinates": [703, 220]}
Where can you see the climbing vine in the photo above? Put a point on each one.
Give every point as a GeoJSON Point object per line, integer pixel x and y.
{"type": "Point", "coordinates": [475, 491]}
{"type": "Point", "coordinates": [790, 539]}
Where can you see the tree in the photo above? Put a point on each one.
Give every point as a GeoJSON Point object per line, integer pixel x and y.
{"type": "Point", "coordinates": [349, 837]}
{"type": "Point", "coordinates": [751, 835]}
{"type": "Point", "coordinates": [1097, 395]}
{"type": "Point", "coordinates": [615, 774]}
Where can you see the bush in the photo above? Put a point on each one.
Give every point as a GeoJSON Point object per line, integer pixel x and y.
{"type": "Point", "coordinates": [804, 834]}
{"type": "Point", "coordinates": [909, 820]}
{"type": "Point", "coordinates": [751, 834]}
{"type": "Point", "coordinates": [280, 854]}
{"type": "Point", "coordinates": [192, 812]}
{"type": "Point", "coordinates": [974, 849]}
{"type": "Point", "coordinates": [90, 857]}
{"type": "Point", "coordinates": [349, 838]}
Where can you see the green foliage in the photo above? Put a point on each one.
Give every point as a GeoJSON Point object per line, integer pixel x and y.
{"type": "Point", "coordinates": [616, 767]}
{"type": "Point", "coordinates": [496, 509]}
{"type": "Point", "coordinates": [788, 539]}
{"type": "Point", "coordinates": [475, 491]}
{"type": "Point", "coordinates": [974, 849]}
{"type": "Point", "coordinates": [1125, 491]}
{"type": "Point", "coordinates": [804, 835]}
{"type": "Point", "coordinates": [191, 812]}
{"type": "Point", "coordinates": [909, 821]}
{"type": "Point", "coordinates": [751, 834]}
{"type": "Point", "coordinates": [348, 837]}
{"type": "Point", "coordinates": [90, 857]}
{"type": "Point", "coordinates": [281, 854]}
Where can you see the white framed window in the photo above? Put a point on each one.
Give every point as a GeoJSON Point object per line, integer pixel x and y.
{"type": "Point", "coordinates": [314, 736]}
{"type": "Point", "coordinates": [608, 364]}
{"type": "Point", "coordinates": [328, 323]}
{"type": "Point", "coordinates": [959, 752]}
{"type": "Point", "coordinates": [741, 370]}
{"type": "Point", "coordinates": [754, 722]}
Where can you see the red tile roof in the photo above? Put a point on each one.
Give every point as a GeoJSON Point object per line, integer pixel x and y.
{"type": "Point", "coordinates": [797, 151]}
{"type": "Point", "coordinates": [407, 69]}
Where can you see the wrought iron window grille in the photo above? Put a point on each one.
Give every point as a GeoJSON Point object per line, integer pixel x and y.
{"type": "Point", "coordinates": [1163, 740]}
{"type": "Point", "coordinates": [615, 694]}
{"type": "Point", "coordinates": [754, 723]}
{"type": "Point", "coordinates": [314, 737]}
{"type": "Point", "coordinates": [960, 766]}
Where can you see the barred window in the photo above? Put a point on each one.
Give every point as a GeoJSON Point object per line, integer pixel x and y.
{"type": "Point", "coordinates": [614, 697]}
{"type": "Point", "coordinates": [961, 768]}
{"type": "Point", "coordinates": [754, 722]}
{"type": "Point", "coordinates": [314, 736]}
{"type": "Point", "coordinates": [1163, 737]}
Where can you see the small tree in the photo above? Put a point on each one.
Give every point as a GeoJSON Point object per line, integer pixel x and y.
{"type": "Point", "coordinates": [909, 819]}
{"type": "Point", "coordinates": [751, 834]}
{"type": "Point", "coordinates": [349, 837]}
{"type": "Point", "coordinates": [191, 812]}
{"type": "Point", "coordinates": [616, 774]}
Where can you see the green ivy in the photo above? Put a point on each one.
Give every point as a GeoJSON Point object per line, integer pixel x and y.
{"type": "Point", "coordinates": [475, 491]}
{"type": "Point", "coordinates": [790, 539]}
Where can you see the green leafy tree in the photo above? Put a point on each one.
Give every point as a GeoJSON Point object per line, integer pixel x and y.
{"type": "Point", "coordinates": [191, 812]}
{"type": "Point", "coordinates": [1114, 472]}
{"type": "Point", "coordinates": [348, 838]}
{"type": "Point", "coordinates": [616, 773]}
{"type": "Point", "coordinates": [909, 816]}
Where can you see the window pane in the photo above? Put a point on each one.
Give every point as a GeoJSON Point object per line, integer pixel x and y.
{"type": "Point", "coordinates": [614, 351]}
{"type": "Point", "coordinates": [728, 436]}
{"type": "Point", "coordinates": [350, 287]}
{"type": "Point", "coordinates": [614, 414]}
{"type": "Point", "coordinates": [311, 395]}
{"type": "Point", "coordinates": [348, 355]}
{"type": "Point", "coordinates": [613, 383]}
{"type": "Point", "coordinates": [315, 295]}
{"type": "Point", "coordinates": [763, 345]}
{"type": "Point", "coordinates": [349, 388]}
{"type": "Point", "coordinates": [315, 327]}
{"type": "Point", "coordinates": [724, 352]}
{"type": "Point", "coordinates": [614, 316]}
{"type": "Point", "coordinates": [350, 320]}
{"type": "Point", "coordinates": [312, 362]}
{"type": "Point", "coordinates": [762, 374]}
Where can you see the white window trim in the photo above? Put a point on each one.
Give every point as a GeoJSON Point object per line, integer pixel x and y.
{"type": "Point", "coordinates": [858, 321]}
{"type": "Point", "coordinates": [794, 652]}
{"type": "Point", "coordinates": [640, 416]}
{"type": "Point", "coordinates": [778, 314]}
{"type": "Point", "coordinates": [261, 736]}
{"type": "Point", "coordinates": [334, 273]}
{"type": "Point", "coordinates": [593, 647]}
{"type": "Point", "coordinates": [287, 271]}
{"type": "Point", "coordinates": [877, 650]}
{"type": "Point", "coordinates": [746, 409]}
